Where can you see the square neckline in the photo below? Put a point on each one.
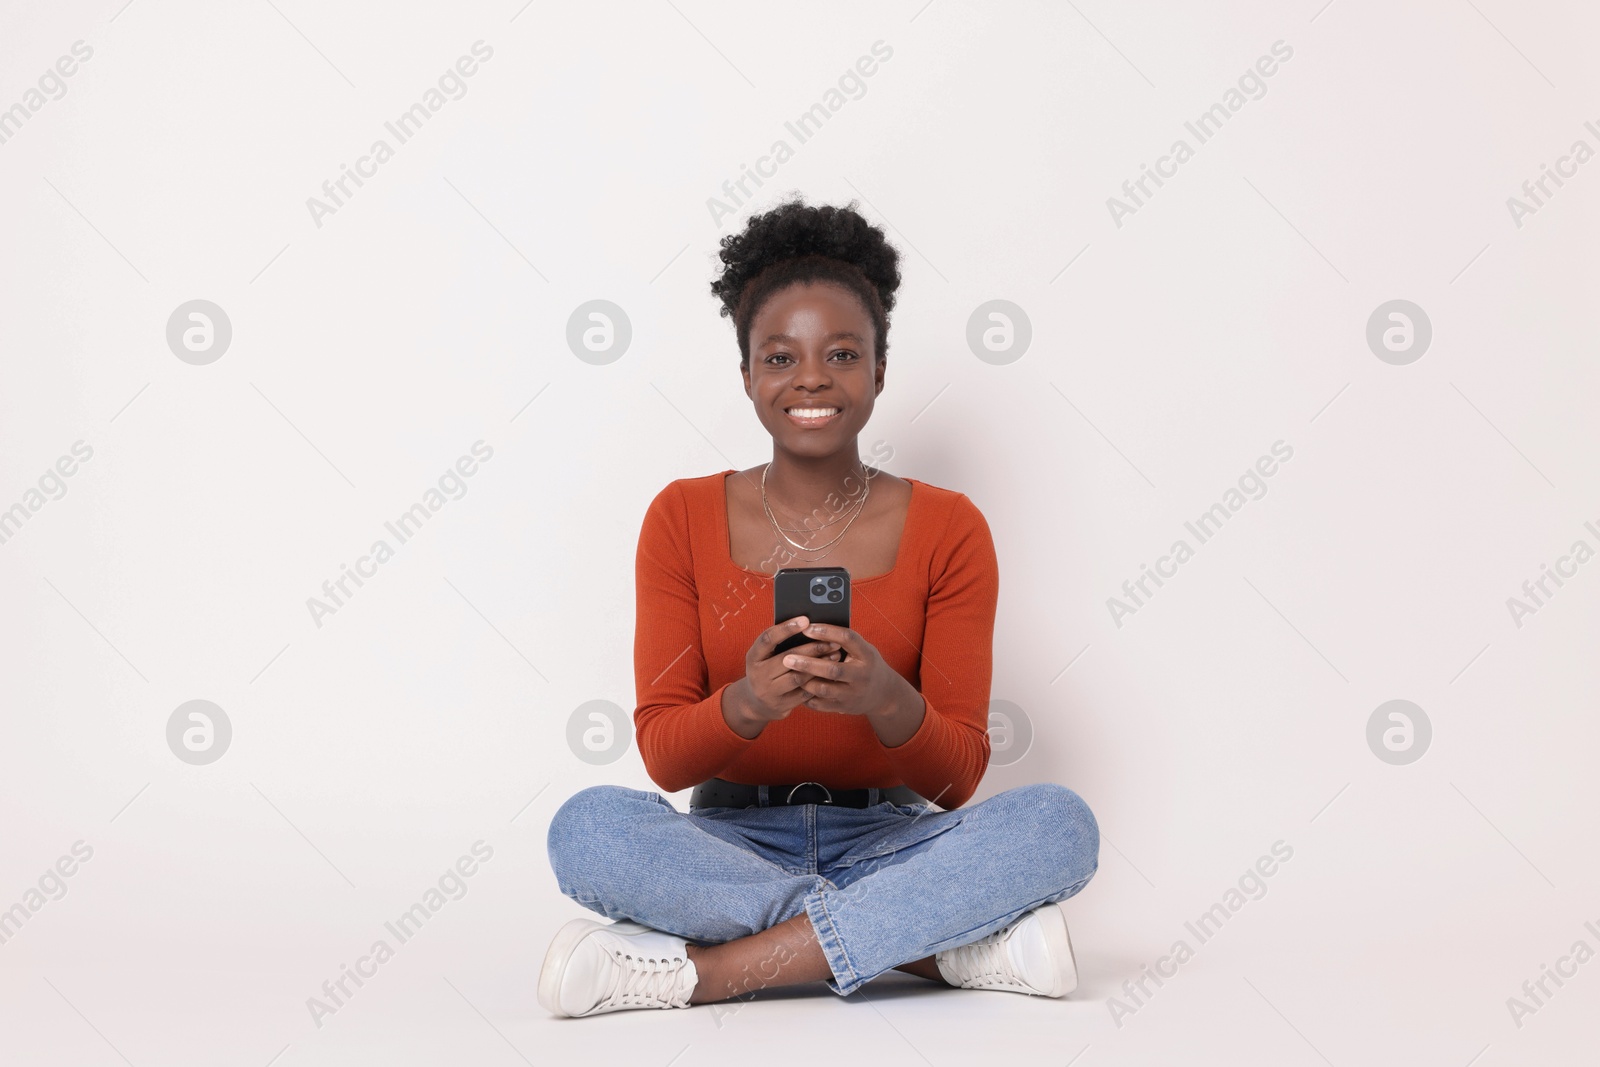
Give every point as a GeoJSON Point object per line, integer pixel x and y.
{"type": "Point", "coordinates": [726, 536]}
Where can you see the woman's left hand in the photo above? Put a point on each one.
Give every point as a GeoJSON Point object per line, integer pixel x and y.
{"type": "Point", "coordinates": [860, 684]}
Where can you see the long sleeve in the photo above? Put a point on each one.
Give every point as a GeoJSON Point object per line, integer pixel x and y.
{"type": "Point", "coordinates": [683, 738]}
{"type": "Point", "coordinates": [946, 758]}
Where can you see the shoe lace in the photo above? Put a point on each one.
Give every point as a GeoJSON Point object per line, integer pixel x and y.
{"type": "Point", "coordinates": [650, 981]}
{"type": "Point", "coordinates": [985, 960]}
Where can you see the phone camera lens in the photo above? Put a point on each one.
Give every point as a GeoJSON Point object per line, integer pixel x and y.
{"type": "Point", "coordinates": [835, 582]}
{"type": "Point", "coordinates": [834, 596]}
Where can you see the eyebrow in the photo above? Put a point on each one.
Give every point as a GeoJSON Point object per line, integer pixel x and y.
{"type": "Point", "coordinates": [842, 335]}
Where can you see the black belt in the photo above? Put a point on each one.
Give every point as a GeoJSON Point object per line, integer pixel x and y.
{"type": "Point", "coordinates": [720, 793]}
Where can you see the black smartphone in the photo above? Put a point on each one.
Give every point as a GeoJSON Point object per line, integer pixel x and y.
{"type": "Point", "coordinates": [821, 594]}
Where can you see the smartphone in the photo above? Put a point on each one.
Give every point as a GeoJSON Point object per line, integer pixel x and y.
{"type": "Point", "coordinates": [821, 594]}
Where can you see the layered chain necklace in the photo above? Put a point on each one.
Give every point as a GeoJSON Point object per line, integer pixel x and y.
{"type": "Point", "coordinates": [771, 518]}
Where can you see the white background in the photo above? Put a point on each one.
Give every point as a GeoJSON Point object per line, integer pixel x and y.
{"type": "Point", "coordinates": [431, 710]}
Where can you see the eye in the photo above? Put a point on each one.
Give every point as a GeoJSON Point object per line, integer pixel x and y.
{"type": "Point", "coordinates": [776, 355]}
{"type": "Point", "coordinates": [846, 352]}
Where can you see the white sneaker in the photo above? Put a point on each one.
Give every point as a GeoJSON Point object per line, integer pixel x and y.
{"type": "Point", "coordinates": [1033, 955]}
{"type": "Point", "coordinates": [594, 967]}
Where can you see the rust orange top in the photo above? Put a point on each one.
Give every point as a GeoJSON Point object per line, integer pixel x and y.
{"type": "Point", "coordinates": [931, 618]}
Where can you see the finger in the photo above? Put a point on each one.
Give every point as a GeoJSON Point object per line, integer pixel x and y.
{"type": "Point", "coordinates": [782, 674]}
{"type": "Point", "coordinates": [825, 704]}
{"type": "Point", "coordinates": [802, 685]}
{"type": "Point", "coordinates": [805, 698]}
{"type": "Point", "coordinates": [852, 643]}
{"type": "Point", "coordinates": [782, 681]}
{"type": "Point", "coordinates": [821, 668]}
{"type": "Point", "coordinates": [787, 698]}
{"type": "Point", "coordinates": [772, 635]}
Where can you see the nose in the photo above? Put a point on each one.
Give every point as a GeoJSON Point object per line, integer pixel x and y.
{"type": "Point", "coordinates": [812, 371]}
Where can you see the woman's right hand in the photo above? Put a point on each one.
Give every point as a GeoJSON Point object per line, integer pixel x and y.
{"type": "Point", "coordinates": [773, 690]}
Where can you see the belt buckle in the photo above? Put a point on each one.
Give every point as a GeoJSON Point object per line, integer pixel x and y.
{"type": "Point", "coordinates": [790, 798]}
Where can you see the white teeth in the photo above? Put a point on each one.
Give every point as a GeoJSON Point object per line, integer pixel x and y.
{"type": "Point", "coordinates": [812, 413]}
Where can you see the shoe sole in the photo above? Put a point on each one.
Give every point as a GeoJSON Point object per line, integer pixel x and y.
{"type": "Point", "coordinates": [1053, 922]}
{"type": "Point", "coordinates": [560, 951]}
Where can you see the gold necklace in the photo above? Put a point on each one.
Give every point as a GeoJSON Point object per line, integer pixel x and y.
{"type": "Point", "coordinates": [819, 526]}
{"type": "Point", "coordinates": [808, 548]}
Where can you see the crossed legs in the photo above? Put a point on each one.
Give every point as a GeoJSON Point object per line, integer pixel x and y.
{"type": "Point", "coordinates": [751, 924]}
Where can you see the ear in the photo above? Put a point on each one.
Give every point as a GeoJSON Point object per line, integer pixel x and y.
{"type": "Point", "coordinates": [877, 377]}
{"type": "Point", "coordinates": [744, 372]}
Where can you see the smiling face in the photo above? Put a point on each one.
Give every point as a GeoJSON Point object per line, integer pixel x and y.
{"type": "Point", "coordinates": [812, 350]}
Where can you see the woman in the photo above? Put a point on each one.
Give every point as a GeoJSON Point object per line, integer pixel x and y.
{"type": "Point", "coordinates": [809, 852]}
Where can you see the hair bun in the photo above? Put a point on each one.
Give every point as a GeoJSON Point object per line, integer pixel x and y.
{"type": "Point", "coordinates": [797, 242]}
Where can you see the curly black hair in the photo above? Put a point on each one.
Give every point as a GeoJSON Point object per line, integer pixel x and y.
{"type": "Point", "coordinates": [797, 242]}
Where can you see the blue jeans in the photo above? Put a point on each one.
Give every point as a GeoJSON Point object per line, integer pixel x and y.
{"type": "Point", "coordinates": [883, 885]}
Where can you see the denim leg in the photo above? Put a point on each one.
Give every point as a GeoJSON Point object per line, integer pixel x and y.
{"type": "Point", "coordinates": [629, 854]}
{"type": "Point", "coordinates": [1009, 854]}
